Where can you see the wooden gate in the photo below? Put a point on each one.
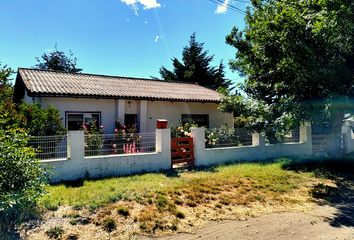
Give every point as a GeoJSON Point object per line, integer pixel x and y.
{"type": "Point", "coordinates": [182, 152]}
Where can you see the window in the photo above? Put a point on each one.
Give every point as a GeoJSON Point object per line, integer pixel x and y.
{"type": "Point", "coordinates": [131, 121]}
{"type": "Point", "coordinates": [202, 120]}
{"type": "Point", "coordinates": [75, 121]}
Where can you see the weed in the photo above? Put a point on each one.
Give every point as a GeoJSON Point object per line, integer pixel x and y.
{"type": "Point", "coordinates": [161, 202]}
{"type": "Point", "coordinates": [77, 207]}
{"type": "Point", "coordinates": [180, 215]}
{"type": "Point", "coordinates": [55, 232]}
{"type": "Point", "coordinates": [72, 236]}
{"type": "Point", "coordinates": [225, 201]}
{"type": "Point", "coordinates": [109, 224]}
{"type": "Point", "coordinates": [73, 222]}
{"type": "Point", "coordinates": [123, 211]}
{"type": "Point", "coordinates": [71, 215]}
{"type": "Point", "coordinates": [93, 206]}
{"type": "Point", "coordinates": [179, 201]}
{"type": "Point", "coordinates": [191, 203]}
{"type": "Point", "coordinates": [218, 205]}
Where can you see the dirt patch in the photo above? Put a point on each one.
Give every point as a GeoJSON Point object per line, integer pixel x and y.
{"type": "Point", "coordinates": [313, 225]}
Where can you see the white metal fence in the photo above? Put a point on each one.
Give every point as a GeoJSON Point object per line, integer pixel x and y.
{"type": "Point", "coordinates": [227, 137]}
{"type": "Point", "coordinates": [111, 144]}
{"type": "Point", "coordinates": [49, 147]}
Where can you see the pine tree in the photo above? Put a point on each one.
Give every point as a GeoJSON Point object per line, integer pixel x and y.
{"type": "Point", "coordinates": [196, 67]}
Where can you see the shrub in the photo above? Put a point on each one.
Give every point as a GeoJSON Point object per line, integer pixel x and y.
{"type": "Point", "coordinates": [22, 180]}
{"type": "Point", "coordinates": [222, 135]}
{"type": "Point", "coordinates": [41, 121]}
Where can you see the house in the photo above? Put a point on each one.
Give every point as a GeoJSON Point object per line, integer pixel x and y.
{"type": "Point", "coordinates": [83, 98]}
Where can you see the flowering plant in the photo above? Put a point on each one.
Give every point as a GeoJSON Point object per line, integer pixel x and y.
{"type": "Point", "coordinates": [184, 130]}
{"type": "Point", "coordinates": [125, 140]}
{"type": "Point", "coordinates": [93, 138]}
{"type": "Point", "coordinates": [221, 136]}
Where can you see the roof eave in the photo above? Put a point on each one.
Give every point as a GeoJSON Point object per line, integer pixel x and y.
{"type": "Point", "coordinates": [41, 94]}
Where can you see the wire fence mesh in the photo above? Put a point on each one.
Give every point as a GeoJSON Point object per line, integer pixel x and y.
{"type": "Point", "coordinates": [49, 147]}
{"type": "Point", "coordinates": [111, 144]}
{"type": "Point", "coordinates": [291, 137]}
{"type": "Point", "coordinates": [227, 137]}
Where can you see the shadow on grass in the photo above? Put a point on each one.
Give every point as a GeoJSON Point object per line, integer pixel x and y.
{"type": "Point", "coordinates": [341, 197]}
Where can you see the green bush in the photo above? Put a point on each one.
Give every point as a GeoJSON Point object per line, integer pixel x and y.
{"type": "Point", "coordinates": [41, 121]}
{"type": "Point", "coordinates": [222, 135]}
{"type": "Point", "coordinates": [22, 180]}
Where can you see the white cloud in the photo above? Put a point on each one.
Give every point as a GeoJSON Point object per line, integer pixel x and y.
{"type": "Point", "coordinates": [222, 8]}
{"type": "Point", "coordinates": [147, 4]}
{"type": "Point", "coordinates": [157, 38]}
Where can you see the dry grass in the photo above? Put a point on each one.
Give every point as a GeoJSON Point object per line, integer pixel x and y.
{"type": "Point", "coordinates": [156, 204]}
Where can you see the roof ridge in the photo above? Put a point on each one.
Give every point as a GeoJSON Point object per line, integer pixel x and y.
{"type": "Point", "coordinates": [108, 76]}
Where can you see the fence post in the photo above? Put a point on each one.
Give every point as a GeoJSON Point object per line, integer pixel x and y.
{"type": "Point", "coordinates": [348, 136]}
{"type": "Point", "coordinates": [76, 145]}
{"type": "Point", "coordinates": [198, 135]}
{"type": "Point", "coordinates": [163, 141]}
{"type": "Point", "coordinates": [258, 139]}
{"type": "Point", "coordinates": [305, 136]}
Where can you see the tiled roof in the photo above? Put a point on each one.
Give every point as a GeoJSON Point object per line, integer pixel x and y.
{"type": "Point", "coordinates": [54, 83]}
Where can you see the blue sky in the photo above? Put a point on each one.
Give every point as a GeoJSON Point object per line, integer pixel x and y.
{"type": "Point", "coordinates": [115, 37]}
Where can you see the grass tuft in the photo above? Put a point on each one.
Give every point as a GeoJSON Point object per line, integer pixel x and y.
{"type": "Point", "coordinates": [55, 232]}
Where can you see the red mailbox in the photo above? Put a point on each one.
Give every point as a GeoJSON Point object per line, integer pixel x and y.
{"type": "Point", "coordinates": [161, 124]}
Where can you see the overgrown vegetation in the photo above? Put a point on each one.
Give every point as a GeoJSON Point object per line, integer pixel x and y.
{"type": "Point", "coordinates": [157, 203]}
{"type": "Point", "coordinates": [22, 179]}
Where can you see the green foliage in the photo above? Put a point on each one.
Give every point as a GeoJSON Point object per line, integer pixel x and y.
{"type": "Point", "coordinates": [22, 180]}
{"type": "Point", "coordinates": [109, 224]}
{"type": "Point", "coordinates": [55, 232]}
{"type": "Point", "coordinates": [41, 121]}
{"type": "Point", "coordinates": [6, 89]}
{"type": "Point", "coordinates": [195, 67]}
{"type": "Point", "coordinates": [9, 117]}
{"type": "Point", "coordinates": [123, 211]}
{"type": "Point", "coordinates": [93, 139]}
{"type": "Point", "coordinates": [184, 130]}
{"type": "Point", "coordinates": [58, 61]}
{"type": "Point", "coordinates": [298, 61]}
{"type": "Point", "coordinates": [223, 135]}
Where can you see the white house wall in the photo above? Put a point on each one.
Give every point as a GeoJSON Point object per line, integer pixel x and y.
{"type": "Point", "coordinates": [171, 111]}
{"type": "Point", "coordinates": [105, 106]}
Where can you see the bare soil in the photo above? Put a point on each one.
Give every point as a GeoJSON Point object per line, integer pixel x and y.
{"type": "Point", "coordinates": [317, 224]}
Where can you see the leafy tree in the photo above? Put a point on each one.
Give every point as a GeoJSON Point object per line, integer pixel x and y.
{"type": "Point", "coordinates": [298, 61]}
{"type": "Point", "coordinates": [58, 60]}
{"type": "Point", "coordinates": [196, 67]}
{"type": "Point", "coordinates": [21, 177]}
{"type": "Point", "coordinates": [9, 116]}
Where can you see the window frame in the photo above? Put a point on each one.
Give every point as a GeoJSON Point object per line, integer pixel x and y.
{"type": "Point", "coordinates": [196, 115]}
{"type": "Point", "coordinates": [67, 113]}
